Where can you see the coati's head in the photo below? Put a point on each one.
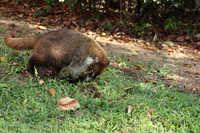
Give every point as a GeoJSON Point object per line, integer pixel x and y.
{"type": "Point", "coordinates": [96, 67]}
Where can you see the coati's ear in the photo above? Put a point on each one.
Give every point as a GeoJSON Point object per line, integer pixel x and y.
{"type": "Point", "coordinates": [89, 60]}
{"type": "Point", "coordinates": [96, 59]}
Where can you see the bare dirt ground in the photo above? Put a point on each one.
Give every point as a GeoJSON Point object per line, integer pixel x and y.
{"type": "Point", "coordinates": [184, 65]}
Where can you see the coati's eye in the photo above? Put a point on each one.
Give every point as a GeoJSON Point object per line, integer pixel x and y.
{"type": "Point", "coordinates": [90, 75]}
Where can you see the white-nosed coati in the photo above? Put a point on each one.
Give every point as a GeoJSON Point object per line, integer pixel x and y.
{"type": "Point", "coordinates": [60, 48]}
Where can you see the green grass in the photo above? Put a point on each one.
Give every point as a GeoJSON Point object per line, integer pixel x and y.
{"type": "Point", "coordinates": [175, 112]}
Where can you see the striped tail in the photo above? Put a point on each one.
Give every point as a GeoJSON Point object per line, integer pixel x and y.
{"type": "Point", "coordinates": [19, 43]}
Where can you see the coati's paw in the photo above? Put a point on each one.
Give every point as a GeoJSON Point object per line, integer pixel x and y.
{"type": "Point", "coordinates": [73, 81]}
{"type": "Point", "coordinates": [30, 69]}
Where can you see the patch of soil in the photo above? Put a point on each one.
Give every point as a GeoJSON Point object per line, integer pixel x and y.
{"type": "Point", "coordinates": [91, 90]}
{"type": "Point", "coordinates": [2, 74]}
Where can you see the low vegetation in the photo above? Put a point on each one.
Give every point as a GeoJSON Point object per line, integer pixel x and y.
{"type": "Point", "coordinates": [26, 105]}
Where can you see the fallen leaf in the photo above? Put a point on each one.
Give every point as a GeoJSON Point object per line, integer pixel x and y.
{"type": "Point", "coordinates": [181, 39]}
{"type": "Point", "coordinates": [77, 26]}
{"type": "Point", "coordinates": [130, 109]}
{"type": "Point", "coordinates": [120, 97]}
{"type": "Point", "coordinates": [41, 24]}
{"type": "Point", "coordinates": [167, 49]}
{"type": "Point", "coordinates": [150, 48]}
{"type": "Point", "coordinates": [197, 35]}
{"type": "Point", "coordinates": [14, 63]}
{"type": "Point", "coordinates": [154, 71]}
{"type": "Point", "coordinates": [188, 72]}
{"type": "Point", "coordinates": [151, 110]}
{"type": "Point", "coordinates": [41, 82]}
{"type": "Point", "coordinates": [25, 100]}
{"type": "Point", "coordinates": [110, 100]}
{"type": "Point", "coordinates": [20, 15]}
{"type": "Point", "coordinates": [154, 82]}
{"type": "Point", "coordinates": [126, 39]}
{"type": "Point", "coordinates": [111, 39]}
{"type": "Point", "coordinates": [67, 23]}
{"type": "Point", "coordinates": [3, 86]}
{"type": "Point", "coordinates": [95, 92]}
{"type": "Point", "coordinates": [2, 58]}
{"type": "Point", "coordinates": [67, 103]}
{"type": "Point", "coordinates": [40, 27]}
{"type": "Point", "coordinates": [87, 23]}
{"type": "Point", "coordinates": [11, 25]}
{"type": "Point", "coordinates": [40, 8]}
{"type": "Point", "coordinates": [31, 19]}
{"type": "Point", "coordinates": [74, 18]}
{"type": "Point", "coordinates": [103, 34]}
{"type": "Point", "coordinates": [198, 73]}
{"type": "Point", "coordinates": [136, 87]}
{"type": "Point", "coordinates": [58, 11]}
{"type": "Point", "coordinates": [52, 91]}
{"type": "Point", "coordinates": [127, 88]}
{"type": "Point", "coordinates": [168, 78]}
{"type": "Point", "coordinates": [155, 92]}
{"type": "Point", "coordinates": [96, 20]}
{"type": "Point", "coordinates": [138, 67]}
{"type": "Point", "coordinates": [194, 88]}
{"type": "Point", "coordinates": [142, 104]}
{"type": "Point", "coordinates": [186, 65]}
{"type": "Point", "coordinates": [148, 114]}
{"type": "Point", "coordinates": [103, 44]}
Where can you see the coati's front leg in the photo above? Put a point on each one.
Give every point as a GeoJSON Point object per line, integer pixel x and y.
{"type": "Point", "coordinates": [76, 70]}
{"type": "Point", "coordinates": [56, 71]}
{"type": "Point", "coordinates": [79, 69]}
{"type": "Point", "coordinates": [30, 67]}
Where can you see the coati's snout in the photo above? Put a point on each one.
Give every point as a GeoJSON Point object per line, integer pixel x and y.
{"type": "Point", "coordinates": [96, 69]}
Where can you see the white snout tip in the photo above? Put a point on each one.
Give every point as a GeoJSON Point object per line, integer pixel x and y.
{"type": "Point", "coordinates": [88, 79]}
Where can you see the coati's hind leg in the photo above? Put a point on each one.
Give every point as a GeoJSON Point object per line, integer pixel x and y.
{"type": "Point", "coordinates": [38, 60]}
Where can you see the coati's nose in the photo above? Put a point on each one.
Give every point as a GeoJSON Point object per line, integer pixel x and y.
{"type": "Point", "coordinates": [88, 79]}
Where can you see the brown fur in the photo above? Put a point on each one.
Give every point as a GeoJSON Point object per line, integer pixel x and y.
{"type": "Point", "coordinates": [61, 48]}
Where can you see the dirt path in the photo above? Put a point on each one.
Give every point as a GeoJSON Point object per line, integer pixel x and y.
{"type": "Point", "coordinates": [183, 76]}
{"type": "Point", "coordinates": [182, 64]}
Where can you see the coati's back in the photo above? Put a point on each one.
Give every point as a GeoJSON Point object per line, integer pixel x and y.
{"type": "Point", "coordinates": [62, 43]}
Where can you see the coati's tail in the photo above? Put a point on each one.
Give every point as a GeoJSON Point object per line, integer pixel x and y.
{"type": "Point", "coordinates": [19, 43]}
